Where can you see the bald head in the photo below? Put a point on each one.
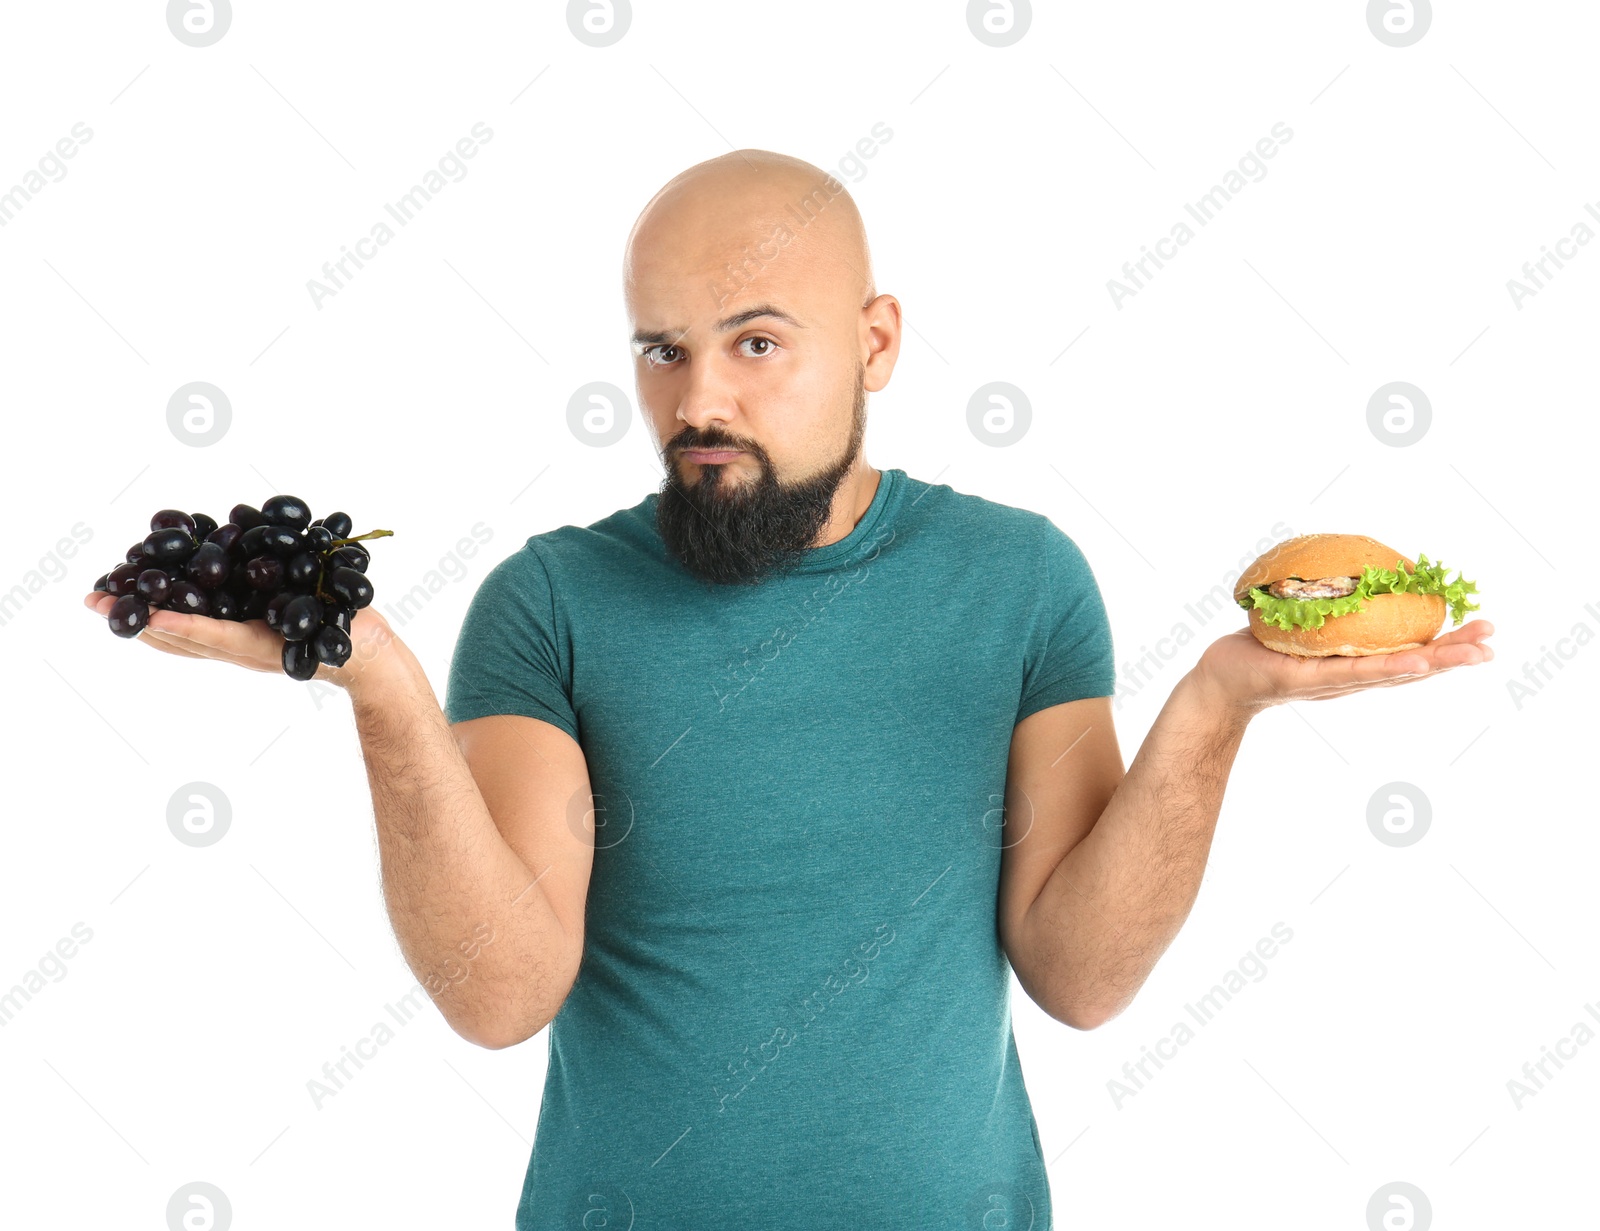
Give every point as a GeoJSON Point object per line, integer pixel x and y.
{"type": "Point", "coordinates": [728, 221]}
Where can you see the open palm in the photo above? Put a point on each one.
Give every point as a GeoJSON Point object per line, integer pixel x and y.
{"type": "Point", "coordinates": [246, 643]}
{"type": "Point", "coordinates": [1249, 674]}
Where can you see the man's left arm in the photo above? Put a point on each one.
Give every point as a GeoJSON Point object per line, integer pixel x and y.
{"type": "Point", "coordinates": [1100, 867]}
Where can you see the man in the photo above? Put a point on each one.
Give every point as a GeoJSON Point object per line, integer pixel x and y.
{"type": "Point", "coordinates": [766, 784]}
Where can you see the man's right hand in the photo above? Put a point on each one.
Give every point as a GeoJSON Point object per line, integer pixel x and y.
{"type": "Point", "coordinates": [250, 643]}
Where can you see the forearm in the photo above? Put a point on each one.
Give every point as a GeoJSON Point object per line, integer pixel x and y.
{"type": "Point", "coordinates": [1118, 897]}
{"type": "Point", "coordinates": [449, 878]}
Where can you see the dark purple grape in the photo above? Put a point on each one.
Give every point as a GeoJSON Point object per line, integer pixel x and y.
{"type": "Point", "coordinates": [264, 573]}
{"type": "Point", "coordinates": [174, 519]}
{"type": "Point", "coordinates": [188, 598]}
{"type": "Point", "coordinates": [332, 645]}
{"type": "Point", "coordinates": [253, 542]}
{"type": "Point", "coordinates": [288, 511]}
{"type": "Point", "coordinates": [246, 516]}
{"type": "Point", "coordinates": [123, 578]}
{"type": "Point", "coordinates": [100, 586]}
{"type": "Point", "coordinates": [319, 538]}
{"type": "Point", "coordinates": [301, 571]}
{"type": "Point", "coordinates": [203, 525]}
{"type": "Point", "coordinates": [299, 660]}
{"type": "Point", "coordinates": [300, 618]}
{"type": "Point", "coordinates": [171, 545]}
{"type": "Point", "coordinates": [351, 588]}
{"type": "Point", "coordinates": [135, 553]}
{"type": "Point", "coordinates": [129, 615]}
{"type": "Point", "coordinates": [339, 617]}
{"type": "Point", "coordinates": [154, 586]}
{"type": "Point", "coordinates": [238, 579]}
{"type": "Point", "coordinates": [352, 556]}
{"type": "Point", "coordinates": [208, 567]}
{"type": "Point", "coordinates": [273, 615]}
{"type": "Point", "coordinates": [226, 536]}
{"type": "Point", "coordinates": [339, 524]}
{"type": "Point", "coordinates": [255, 605]}
{"type": "Point", "coordinates": [283, 542]}
{"type": "Point", "coordinates": [224, 606]}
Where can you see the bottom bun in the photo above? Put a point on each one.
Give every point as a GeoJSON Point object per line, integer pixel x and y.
{"type": "Point", "coordinates": [1385, 624]}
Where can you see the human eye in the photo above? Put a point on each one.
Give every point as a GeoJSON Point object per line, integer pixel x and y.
{"type": "Point", "coordinates": [766, 342]}
{"type": "Point", "coordinates": [650, 357]}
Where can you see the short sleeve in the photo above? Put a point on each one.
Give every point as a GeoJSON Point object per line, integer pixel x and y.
{"type": "Point", "coordinates": [508, 657]}
{"type": "Point", "coordinates": [1068, 655]}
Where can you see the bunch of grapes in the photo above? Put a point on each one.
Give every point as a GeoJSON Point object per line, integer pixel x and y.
{"type": "Point", "coordinates": [305, 578]}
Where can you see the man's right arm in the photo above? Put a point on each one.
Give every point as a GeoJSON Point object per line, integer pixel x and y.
{"type": "Point", "coordinates": [484, 847]}
{"type": "Point", "coordinates": [483, 830]}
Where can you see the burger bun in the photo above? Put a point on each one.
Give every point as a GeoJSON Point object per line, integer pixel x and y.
{"type": "Point", "coordinates": [1386, 623]}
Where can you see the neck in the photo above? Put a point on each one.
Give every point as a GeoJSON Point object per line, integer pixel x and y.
{"type": "Point", "coordinates": [850, 503]}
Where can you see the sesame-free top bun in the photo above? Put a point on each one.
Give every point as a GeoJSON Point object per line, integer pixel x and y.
{"type": "Point", "coordinates": [1317, 555]}
{"type": "Point", "coordinates": [1385, 624]}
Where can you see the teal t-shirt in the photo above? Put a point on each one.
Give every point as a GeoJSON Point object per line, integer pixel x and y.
{"type": "Point", "coordinates": [793, 1008]}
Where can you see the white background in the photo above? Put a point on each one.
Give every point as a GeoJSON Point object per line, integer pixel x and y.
{"type": "Point", "coordinates": [429, 395]}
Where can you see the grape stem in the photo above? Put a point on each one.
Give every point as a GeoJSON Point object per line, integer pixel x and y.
{"type": "Point", "coordinates": [322, 557]}
{"type": "Point", "coordinates": [370, 534]}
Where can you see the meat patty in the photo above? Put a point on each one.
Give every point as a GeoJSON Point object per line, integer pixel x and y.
{"type": "Point", "coordinates": [1322, 587]}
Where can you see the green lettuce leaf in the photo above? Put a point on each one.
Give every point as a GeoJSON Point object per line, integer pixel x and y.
{"type": "Point", "coordinates": [1429, 578]}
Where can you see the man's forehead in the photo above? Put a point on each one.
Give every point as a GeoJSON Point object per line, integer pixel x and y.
{"type": "Point", "coordinates": [766, 312]}
{"type": "Point", "coordinates": [714, 299]}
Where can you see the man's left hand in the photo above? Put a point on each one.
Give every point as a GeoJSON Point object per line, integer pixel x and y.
{"type": "Point", "coordinates": [1241, 673]}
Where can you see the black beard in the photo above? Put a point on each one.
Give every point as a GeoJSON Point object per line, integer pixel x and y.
{"type": "Point", "coordinates": [743, 535]}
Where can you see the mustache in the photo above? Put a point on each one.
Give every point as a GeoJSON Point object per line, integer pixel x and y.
{"type": "Point", "coordinates": [706, 440]}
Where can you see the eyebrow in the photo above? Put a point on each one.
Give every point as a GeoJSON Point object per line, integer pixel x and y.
{"type": "Point", "coordinates": [667, 337]}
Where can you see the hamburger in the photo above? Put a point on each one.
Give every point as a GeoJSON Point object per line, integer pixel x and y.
{"type": "Point", "coordinates": [1324, 594]}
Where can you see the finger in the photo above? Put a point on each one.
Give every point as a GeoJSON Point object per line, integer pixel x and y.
{"type": "Point", "coordinates": [1472, 630]}
{"type": "Point", "coordinates": [190, 649]}
{"type": "Point", "coordinates": [155, 642]}
{"type": "Point", "coordinates": [205, 632]}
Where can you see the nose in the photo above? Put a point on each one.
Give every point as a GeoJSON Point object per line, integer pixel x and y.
{"type": "Point", "coordinates": [707, 403]}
